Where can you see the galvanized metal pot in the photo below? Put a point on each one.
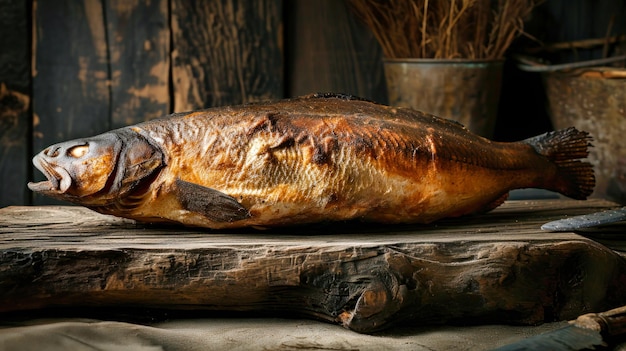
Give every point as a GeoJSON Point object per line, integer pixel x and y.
{"type": "Point", "coordinates": [466, 91]}
{"type": "Point", "coordinates": [594, 99]}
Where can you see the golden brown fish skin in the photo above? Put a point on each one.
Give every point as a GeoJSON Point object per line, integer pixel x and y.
{"type": "Point", "coordinates": [305, 160]}
{"type": "Point", "coordinates": [324, 159]}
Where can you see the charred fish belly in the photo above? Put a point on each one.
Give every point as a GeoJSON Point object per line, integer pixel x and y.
{"type": "Point", "coordinates": [309, 159]}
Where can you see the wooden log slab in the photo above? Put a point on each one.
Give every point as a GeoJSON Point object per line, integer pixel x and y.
{"type": "Point", "coordinates": [493, 268]}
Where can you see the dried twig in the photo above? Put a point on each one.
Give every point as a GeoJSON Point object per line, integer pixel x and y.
{"type": "Point", "coordinates": [476, 29]}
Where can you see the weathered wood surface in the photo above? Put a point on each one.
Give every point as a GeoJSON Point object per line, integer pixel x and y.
{"type": "Point", "coordinates": [226, 52]}
{"type": "Point", "coordinates": [497, 268]}
{"type": "Point", "coordinates": [14, 101]}
{"type": "Point", "coordinates": [70, 71]}
{"type": "Point", "coordinates": [138, 39]}
{"type": "Point", "coordinates": [70, 74]}
{"type": "Point", "coordinates": [330, 50]}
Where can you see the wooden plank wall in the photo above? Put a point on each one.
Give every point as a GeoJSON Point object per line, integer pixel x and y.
{"type": "Point", "coordinates": [330, 50]}
{"type": "Point", "coordinates": [226, 52]}
{"type": "Point", "coordinates": [74, 68]}
{"type": "Point", "coordinates": [138, 40]}
{"type": "Point", "coordinates": [14, 101]}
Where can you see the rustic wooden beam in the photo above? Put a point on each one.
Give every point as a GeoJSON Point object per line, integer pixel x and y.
{"type": "Point", "coordinates": [15, 86]}
{"type": "Point", "coordinates": [495, 268]}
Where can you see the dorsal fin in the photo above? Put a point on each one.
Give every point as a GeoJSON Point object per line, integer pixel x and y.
{"type": "Point", "coordinates": [341, 96]}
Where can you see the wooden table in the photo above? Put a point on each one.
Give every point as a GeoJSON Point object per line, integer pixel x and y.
{"type": "Point", "coordinates": [493, 268]}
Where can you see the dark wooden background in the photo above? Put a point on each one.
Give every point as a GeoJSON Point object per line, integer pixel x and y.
{"type": "Point", "coordinates": [74, 68]}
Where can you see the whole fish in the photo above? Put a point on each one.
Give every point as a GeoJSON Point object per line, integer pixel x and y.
{"type": "Point", "coordinates": [323, 157]}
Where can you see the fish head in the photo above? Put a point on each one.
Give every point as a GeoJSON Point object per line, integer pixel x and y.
{"type": "Point", "coordinates": [96, 170]}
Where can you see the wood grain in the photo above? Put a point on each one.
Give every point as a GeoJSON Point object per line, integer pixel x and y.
{"type": "Point", "coordinates": [14, 102]}
{"type": "Point", "coordinates": [138, 38]}
{"type": "Point", "coordinates": [226, 52]}
{"type": "Point", "coordinates": [494, 268]}
{"type": "Point", "coordinates": [330, 50]}
{"type": "Point", "coordinates": [71, 96]}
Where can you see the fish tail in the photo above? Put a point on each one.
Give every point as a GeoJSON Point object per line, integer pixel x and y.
{"type": "Point", "coordinates": [565, 148]}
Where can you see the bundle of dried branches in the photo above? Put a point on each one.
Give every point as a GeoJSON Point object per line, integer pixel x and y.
{"type": "Point", "coordinates": [444, 29]}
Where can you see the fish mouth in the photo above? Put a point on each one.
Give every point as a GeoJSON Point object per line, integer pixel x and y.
{"type": "Point", "coordinates": [58, 179]}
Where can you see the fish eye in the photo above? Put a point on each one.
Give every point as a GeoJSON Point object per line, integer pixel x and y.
{"type": "Point", "coordinates": [78, 151]}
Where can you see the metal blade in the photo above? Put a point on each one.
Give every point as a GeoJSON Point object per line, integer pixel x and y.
{"type": "Point", "coordinates": [568, 338]}
{"type": "Point", "coordinates": [586, 221]}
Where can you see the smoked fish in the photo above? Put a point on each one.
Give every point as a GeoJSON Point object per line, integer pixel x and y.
{"type": "Point", "coordinates": [322, 157]}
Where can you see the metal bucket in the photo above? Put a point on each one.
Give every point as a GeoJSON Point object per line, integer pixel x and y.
{"type": "Point", "coordinates": [594, 100]}
{"type": "Point", "coordinates": [466, 91]}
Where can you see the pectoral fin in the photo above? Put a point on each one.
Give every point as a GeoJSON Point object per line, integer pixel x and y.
{"type": "Point", "coordinates": [210, 203]}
